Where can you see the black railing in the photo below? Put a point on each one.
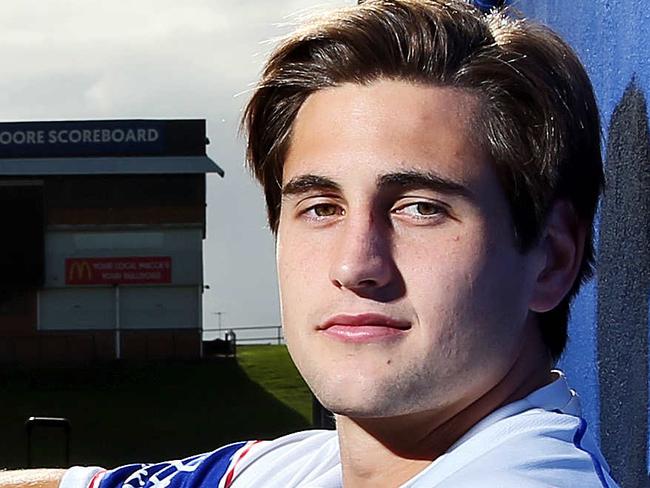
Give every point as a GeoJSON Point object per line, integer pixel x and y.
{"type": "Point", "coordinates": [277, 337]}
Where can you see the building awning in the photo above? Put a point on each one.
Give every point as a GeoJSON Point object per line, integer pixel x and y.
{"type": "Point", "coordinates": [109, 165]}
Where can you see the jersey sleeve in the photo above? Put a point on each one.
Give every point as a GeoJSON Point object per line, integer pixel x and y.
{"type": "Point", "coordinates": [204, 470]}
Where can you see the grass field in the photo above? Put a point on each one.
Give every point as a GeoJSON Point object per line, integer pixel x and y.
{"type": "Point", "coordinates": [282, 380]}
{"type": "Point", "coordinates": [127, 412]}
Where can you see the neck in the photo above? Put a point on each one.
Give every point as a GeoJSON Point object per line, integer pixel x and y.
{"type": "Point", "coordinates": [409, 443]}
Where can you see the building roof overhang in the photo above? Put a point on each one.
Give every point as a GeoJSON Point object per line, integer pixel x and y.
{"type": "Point", "coordinates": [109, 166]}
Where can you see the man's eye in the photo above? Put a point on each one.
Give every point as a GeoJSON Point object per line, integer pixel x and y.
{"type": "Point", "coordinates": [422, 210]}
{"type": "Point", "coordinates": [323, 210]}
{"type": "Point", "coordinates": [426, 208]}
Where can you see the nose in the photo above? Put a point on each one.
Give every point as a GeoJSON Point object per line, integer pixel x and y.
{"type": "Point", "coordinates": [363, 259]}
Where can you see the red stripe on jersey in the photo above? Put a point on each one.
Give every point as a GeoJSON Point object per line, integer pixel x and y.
{"type": "Point", "coordinates": [94, 480]}
{"type": "Point", "coordinates": [231, 470]}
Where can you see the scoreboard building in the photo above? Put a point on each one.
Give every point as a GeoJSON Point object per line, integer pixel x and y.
{"type": "Point", "coordinates": [101, 251]}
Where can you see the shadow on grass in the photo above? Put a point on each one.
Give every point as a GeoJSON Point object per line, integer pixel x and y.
{"type": "Point", "coordinates": [123, 413]}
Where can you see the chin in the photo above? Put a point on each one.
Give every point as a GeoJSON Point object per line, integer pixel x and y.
{"type": "Point", "coordinates": [357, 411]}
{"type": "Point", "coordinates": [367, 411]}
{"type": "Point", "coordinates": [357, 405]}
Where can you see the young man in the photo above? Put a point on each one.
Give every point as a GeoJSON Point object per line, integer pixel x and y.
{"type": "Point", "coordinates": [431, 173]}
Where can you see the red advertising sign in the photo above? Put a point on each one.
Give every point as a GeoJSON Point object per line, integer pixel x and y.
{"type": "Point", "coordinates": [118, 271]}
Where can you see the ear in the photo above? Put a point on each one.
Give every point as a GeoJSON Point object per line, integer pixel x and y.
{"type": "Point", "coordinates": [562, 244]}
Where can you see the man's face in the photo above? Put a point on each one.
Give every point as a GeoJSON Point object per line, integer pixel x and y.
{"type": "Point", "coordinates": [401, 286]}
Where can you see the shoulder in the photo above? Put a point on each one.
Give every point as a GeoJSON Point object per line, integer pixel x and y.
{"type": "Point", "coordinates": [303, 457]}
{"type": "Point", "coordinates": [219, 468]}
{"type": "Point", "coordinates": [534, 448]}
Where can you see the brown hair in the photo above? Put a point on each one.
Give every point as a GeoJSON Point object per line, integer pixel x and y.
{"type": "Point", "coordinates": [539, 122]}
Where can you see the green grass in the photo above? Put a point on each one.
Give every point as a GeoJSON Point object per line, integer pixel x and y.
{"type": "Point", "coordinates": [270, 367]}
{"type": "Point", "coordinates": [128, 412]}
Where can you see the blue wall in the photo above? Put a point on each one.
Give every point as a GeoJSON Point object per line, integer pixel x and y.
{"type": "Point", "coordinates": [607, 356]}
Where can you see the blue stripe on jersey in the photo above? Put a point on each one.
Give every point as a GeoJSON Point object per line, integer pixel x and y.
{"type": "Point", "coordinates": [577, 440]}
{"type": "Point", "coordinates": [204, 470]}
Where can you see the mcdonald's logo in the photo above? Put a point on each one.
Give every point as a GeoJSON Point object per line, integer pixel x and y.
{"type": "Point", "coordinates": [126, 270]}
{"type": "Point", "coordinates": [78, 271]}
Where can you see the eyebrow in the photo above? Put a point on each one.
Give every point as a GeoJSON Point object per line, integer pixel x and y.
{"type": "Point", "coordinates": [306, 183]}
{"type": "Point", "coordinates": [427, 180]}
{"type": "Point", "coordinates": [405, 180]}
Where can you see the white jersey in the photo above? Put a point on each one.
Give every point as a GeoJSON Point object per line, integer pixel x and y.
{"type": "Point", "coordinates": [538, 442]}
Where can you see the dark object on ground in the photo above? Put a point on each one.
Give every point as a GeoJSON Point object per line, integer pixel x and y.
{"type": "Point", "coordinates": [47, 423]}
{"type": "Point", "coordinates": [219, 347]}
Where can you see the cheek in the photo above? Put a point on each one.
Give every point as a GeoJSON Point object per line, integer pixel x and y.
{"type": "Point", "coordinates": [440, 270]}
{"type": "Point", "coordinates": [301, 267]}
{"type": "Point", "coordinates": [292, 259]}
{"type": "Point", "coordinates": [490, 293]}
{"type": "Point", "coordinates": [460, 279]}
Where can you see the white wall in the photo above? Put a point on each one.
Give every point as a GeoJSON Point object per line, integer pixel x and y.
{"type": "Point", "coordinates": [165, 306]}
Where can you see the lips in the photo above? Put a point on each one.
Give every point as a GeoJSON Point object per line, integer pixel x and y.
{"type": "Point", "coordinates": [365, 320]}
{"type": "Point", "coordinates": [366, 327]}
